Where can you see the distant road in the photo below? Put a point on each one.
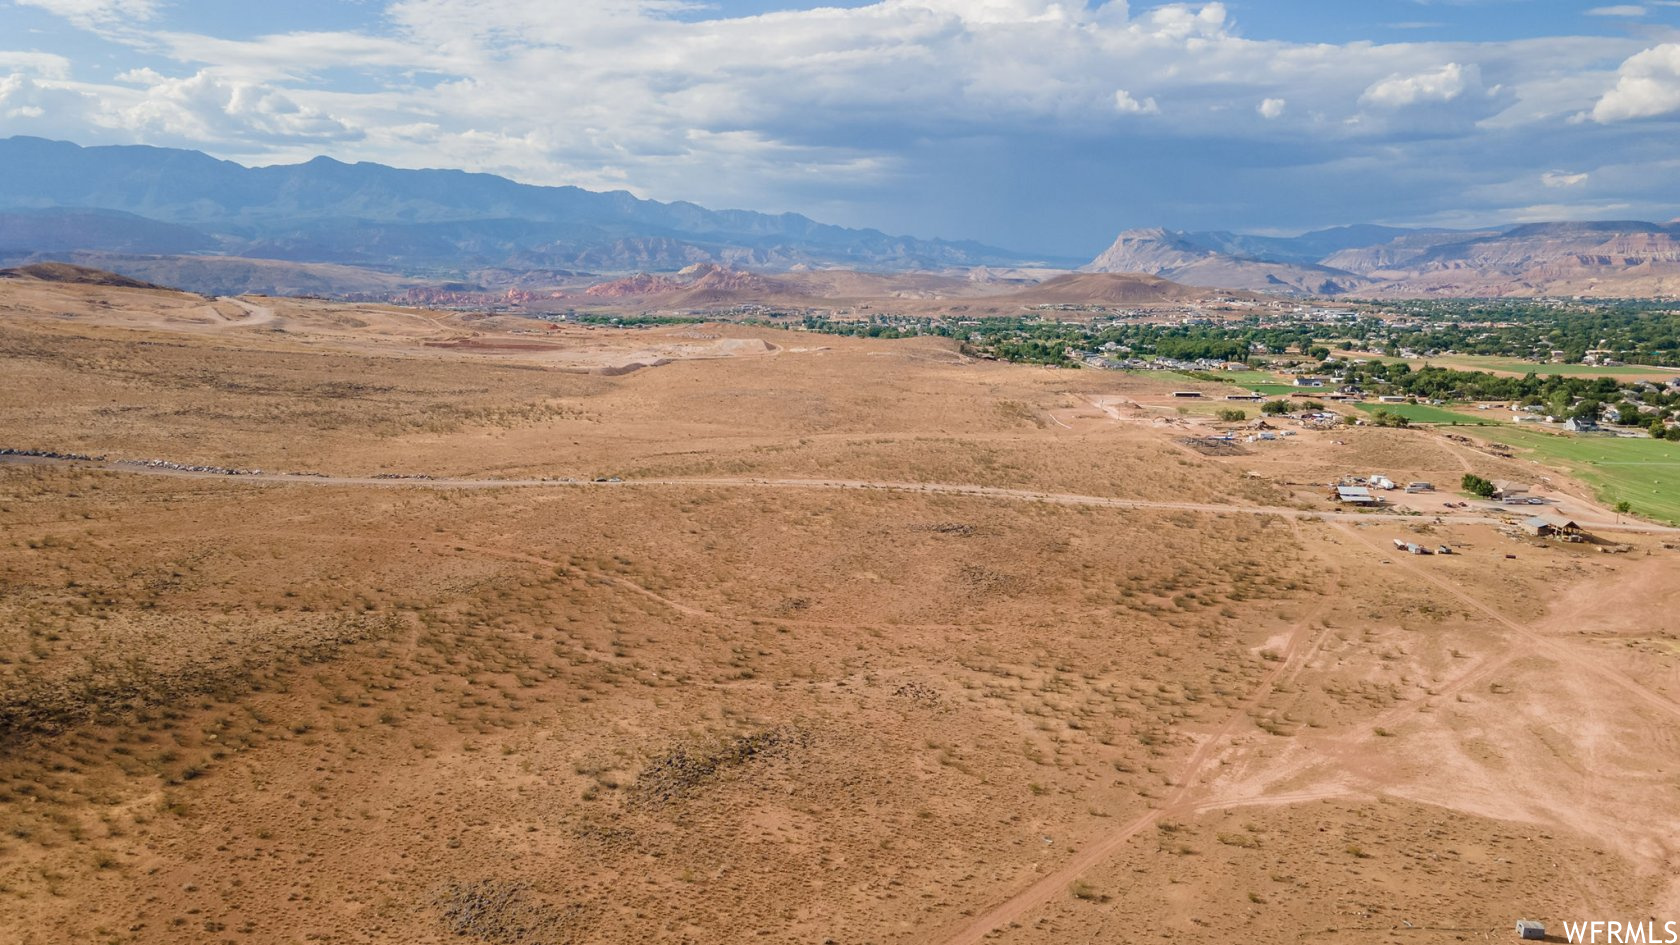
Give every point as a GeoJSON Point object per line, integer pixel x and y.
{"type": "Point", "coordinates": [925, 488]}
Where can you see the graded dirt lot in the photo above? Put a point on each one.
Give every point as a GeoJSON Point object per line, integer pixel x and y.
{"type": "Point", "coordinates": [870, 642]}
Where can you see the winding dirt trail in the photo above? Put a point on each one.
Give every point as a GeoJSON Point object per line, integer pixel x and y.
{"type": "Point", "coordinates": [255, 315]}
{"type": "Point", "coordinates": [1185, 802]}
{"type": "Point", "coordinates": [1561, 652]}
{"type": "Point", "coordinates": [1302, 643]}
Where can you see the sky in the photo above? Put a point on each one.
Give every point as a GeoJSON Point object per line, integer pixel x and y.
{"type": "Point", "coordinates": [1036, 125]}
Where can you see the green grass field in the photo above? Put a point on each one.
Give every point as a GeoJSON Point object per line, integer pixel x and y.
{"type": "Point", "coordinates": [1424, 413]}
{"type": "Point", "coordinates": [1173, 377]}
{"type": "Point", "coordinates": [1515, 366]}
{"type": "Point", "coordinates": [1644, 473]}
{"type": "Point", "coordinates": [1246, 378]}
{"type": "Point", "coordinates": [1477, 362]}
{"type": "Point", "coordinates": [1264, 382]}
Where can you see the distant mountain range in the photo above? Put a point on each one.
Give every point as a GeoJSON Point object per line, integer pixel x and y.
{"type": "Point", "coordinates": [1621, 259]}
{"type": "Point", "coordinates": [57, 197]}
{"type": "Point", "coordinates": [183, 218]}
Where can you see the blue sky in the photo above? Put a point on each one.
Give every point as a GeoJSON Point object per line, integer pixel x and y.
{"type": "Point", "coordinates": [1043, 125]}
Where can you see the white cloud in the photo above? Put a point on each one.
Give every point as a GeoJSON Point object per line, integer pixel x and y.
{"type": "Point", "coordinates": [1647, 84]}
{"type": "Point", "coordinates": [1124, 101]}
{"type": "Point", "coordinates": [1550, 212]}
{"type": "Point", "coordinates": [294, 57]}
{"type": "Point", "coordinates": [1438, 85]}
{"type": "Point", "coordinates": [39, 64]}
{"type": "Point", "coordinates": [1183, 20]}
{"type": "Point", "coordinates": [205, 105]}
{"type": "Point", "coordinates": [1561, 179]}
{"type": "Point", "coordinates": [1625, 10]}
{"type": "Point", "coordinates": [606, 85]}
{"type": "Point", "coordinates": [93, 13]}
{"type": "Point", "coordinates": [767, 111]}
{"type": "Point", "coordinates": [32, 106]}
{"type": "Point", "coordinates": [998, 11]}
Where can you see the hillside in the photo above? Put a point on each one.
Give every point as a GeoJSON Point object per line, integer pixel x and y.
{"type": "Point", "coordinates": [28, 232]}
{"type": "Point", "coordinates": [67, 274]}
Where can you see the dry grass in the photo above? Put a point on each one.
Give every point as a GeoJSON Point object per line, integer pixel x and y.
{"type": "Point", "coordinates": [712, 713]}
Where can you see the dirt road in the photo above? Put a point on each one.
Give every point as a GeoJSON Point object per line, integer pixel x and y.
{"type": "Point", "coordinates": [927, 488]}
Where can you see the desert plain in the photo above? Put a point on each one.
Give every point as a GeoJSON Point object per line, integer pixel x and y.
{"type": "Point", "coordinates": [531, 634]}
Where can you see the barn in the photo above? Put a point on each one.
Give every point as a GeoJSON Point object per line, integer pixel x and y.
{"type": "Point", "coordinates": [1540, 527]}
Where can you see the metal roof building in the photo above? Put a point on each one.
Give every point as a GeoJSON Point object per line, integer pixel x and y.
{"type": "Point", "coordinates": [1355, 495]}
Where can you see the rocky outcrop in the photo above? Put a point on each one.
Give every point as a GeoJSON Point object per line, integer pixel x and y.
{"type": "Point", "coordinates": [1593, 258]}
{"type": "Point", "coordinates": [1185, 259]}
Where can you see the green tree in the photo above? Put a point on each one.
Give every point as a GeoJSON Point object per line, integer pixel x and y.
{"type": "Point", "coordinates": [1477, 486]}
{"type": "Point", "coordinates": [1275, 408]}
{"type": "Point", "coordinates": [1233, 416]}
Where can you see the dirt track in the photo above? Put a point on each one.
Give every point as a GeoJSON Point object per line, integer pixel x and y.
{"type": "Point", "coordinates": [1052, 884]}
{"type": "Point", "coordinates": [1185, 800]}
{"type": "Point", "coordinates": [928, 488]}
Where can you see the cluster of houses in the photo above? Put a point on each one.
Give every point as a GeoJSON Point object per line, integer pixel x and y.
{"type": "Point", "coordinates": [1330, 388]}
{"type": "Point", "coordinates": [1534, 413]}
{"type": "Point", "coordinates": [1115, 358]}
{"type": "Point", "coordinates": [1633, 407]}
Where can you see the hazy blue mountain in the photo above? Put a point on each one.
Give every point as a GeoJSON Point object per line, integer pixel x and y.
{"type": "Point", "coordinates": [1308, 248]}
{"type": "Point", "coordinates": [23, 232]}
{"type": "Point", "coordinates": [370, 214]}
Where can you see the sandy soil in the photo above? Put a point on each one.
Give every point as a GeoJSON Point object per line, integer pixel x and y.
{"type": "Point", "coordinates": [872, 644]}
